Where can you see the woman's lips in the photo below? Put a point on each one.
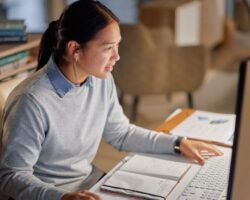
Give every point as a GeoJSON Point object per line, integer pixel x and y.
{"type": "Point", "coordinates": [109, 68]}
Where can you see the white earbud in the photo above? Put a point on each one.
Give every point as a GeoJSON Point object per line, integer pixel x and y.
{"type": "Point", "coordinates": [76, 56]}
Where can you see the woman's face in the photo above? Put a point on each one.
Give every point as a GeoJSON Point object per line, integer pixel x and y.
{"type": "Point", "coordinates": [100, 54]}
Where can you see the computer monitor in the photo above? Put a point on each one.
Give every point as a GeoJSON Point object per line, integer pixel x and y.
{"type": "Point", "coordinates": [239, 178]}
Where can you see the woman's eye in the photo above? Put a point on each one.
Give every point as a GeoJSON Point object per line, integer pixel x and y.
{"type": "Point", "coordinates": [109, 48]}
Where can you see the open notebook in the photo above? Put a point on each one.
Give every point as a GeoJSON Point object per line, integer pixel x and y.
{"type": "Point", "coordinates": [146, 177]}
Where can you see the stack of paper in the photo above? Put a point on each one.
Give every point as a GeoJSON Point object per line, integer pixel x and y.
{"type": "Point", "coordinates": [200, 125]}
{"type": "Point", "coordinates": [207, 126]}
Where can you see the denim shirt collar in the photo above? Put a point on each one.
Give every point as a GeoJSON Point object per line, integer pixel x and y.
{"type": "Point", "coordinates": [60, 83]}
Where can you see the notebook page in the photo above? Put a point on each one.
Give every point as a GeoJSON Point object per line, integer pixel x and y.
{"type": "Point", "coordinates": [139, 185]}
{"type": "Point", "coordinates": [156, 167]}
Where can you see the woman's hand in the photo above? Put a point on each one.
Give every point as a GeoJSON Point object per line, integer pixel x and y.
{"type": "Point", "coordinates": [199, 151]}
{"type": "Point", "coordinates": [83, 195]}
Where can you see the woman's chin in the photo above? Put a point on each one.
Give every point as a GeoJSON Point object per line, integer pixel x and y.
{"type": "Point", "coordinates": [104, 75]}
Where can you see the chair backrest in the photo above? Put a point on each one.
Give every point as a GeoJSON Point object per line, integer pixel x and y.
{"type": "Point", "coordinates": [186, 68]}
{"type": "Point", "coordinates": [142, 62]}
{"type": "Point", "coordinates": [151, 64]}
{"type": "Point", "coordinates": [5, 89]}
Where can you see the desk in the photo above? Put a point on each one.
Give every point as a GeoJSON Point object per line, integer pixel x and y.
{"type": "Point", "coordinates": [182, 184]}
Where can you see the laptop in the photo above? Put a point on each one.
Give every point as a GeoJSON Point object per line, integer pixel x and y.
{"type": "Point", "coordinates": [226, 177]}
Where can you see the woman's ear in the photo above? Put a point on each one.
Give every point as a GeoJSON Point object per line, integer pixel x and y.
{"type": "Point", "coordinates": [73, 50]}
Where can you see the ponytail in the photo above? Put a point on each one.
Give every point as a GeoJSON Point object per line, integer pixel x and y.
{"type": "Point", "coordinates": [47, 44]}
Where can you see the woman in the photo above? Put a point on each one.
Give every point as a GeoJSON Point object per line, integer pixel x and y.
{"type": "Point", "coordinates": [55, 119]}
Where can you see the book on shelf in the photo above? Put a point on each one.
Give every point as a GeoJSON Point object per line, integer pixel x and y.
{"type": "Point", "coordinates": [146, 177]}
{"type": "Point", "coordinates": [13, 61]}
{"type": "Point", "coordinates": [14, 57]}
{"type": "Point", "coordinates": [14, 65]}
{"type": "Point", "coordinates": [13, 39]}
{"type": "Point", "coordinates": [211, 127]}
{"type": "Point", "coordinates": [12, 24]}
{"type": "Point", "coordinates": [12, 31]}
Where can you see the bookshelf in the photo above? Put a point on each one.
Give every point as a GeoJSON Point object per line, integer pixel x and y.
{"type": "Point", "coordinates": [9, 49]}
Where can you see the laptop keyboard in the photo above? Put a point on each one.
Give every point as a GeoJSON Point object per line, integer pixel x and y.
{"type": "Point", "coordinates": [210, 182]}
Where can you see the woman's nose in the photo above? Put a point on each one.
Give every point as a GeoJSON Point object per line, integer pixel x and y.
{"type": "Point", "coordinates": [116, 55]}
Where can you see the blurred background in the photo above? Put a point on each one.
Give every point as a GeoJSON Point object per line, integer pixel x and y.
{"type": "Point", "coordinates": [174, 54]}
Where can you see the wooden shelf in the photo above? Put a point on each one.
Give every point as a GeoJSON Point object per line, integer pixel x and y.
{"type": "Point", "coordinates": [31, 45]}
{"type": "Point", "coordinates": [8, 49]}
{"type": "Point", "coordinates": [27, 67]}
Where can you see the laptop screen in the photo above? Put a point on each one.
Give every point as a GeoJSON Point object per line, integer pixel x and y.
{"type": "Point", "coordinates": [239, 178]}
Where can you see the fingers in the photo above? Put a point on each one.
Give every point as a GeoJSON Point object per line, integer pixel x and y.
{"type": "Point", "coordinates": [212, 149]}
{"type": "Point", "coordinates": [206, 151]}
{"type": "Point", "coordinates": [90, 195]}
{"type": "Point", "coordinates": [199, 151]}
{"type": "Point", "coordinates": [83, 195]}
{"type": "Point", "coordinates": [199, 158]}
{"type": "Point", "coordinates": [206, 154]}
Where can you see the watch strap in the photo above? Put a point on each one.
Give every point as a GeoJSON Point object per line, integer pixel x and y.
{"type": "Point", "coordinates": [177, 144]}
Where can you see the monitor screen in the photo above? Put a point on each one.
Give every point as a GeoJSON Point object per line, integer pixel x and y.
{"type": "Point", "coordinates": [239, 178]}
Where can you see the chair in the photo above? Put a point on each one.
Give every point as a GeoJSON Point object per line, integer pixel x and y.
{"type": "Point", "coordinates": [151, 64]}
{"type": "Point", "coordinates": [5, 89]}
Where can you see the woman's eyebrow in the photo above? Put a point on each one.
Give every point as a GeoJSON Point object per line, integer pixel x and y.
{"type": "Point", "coordinates": [108, 43]}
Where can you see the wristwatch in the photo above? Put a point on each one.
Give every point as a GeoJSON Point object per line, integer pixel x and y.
{"type": "Point", "coordinates": [178, 143]}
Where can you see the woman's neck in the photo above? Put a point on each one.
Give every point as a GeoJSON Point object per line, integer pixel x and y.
{"type": "Point", "coordinates": [72, 73]}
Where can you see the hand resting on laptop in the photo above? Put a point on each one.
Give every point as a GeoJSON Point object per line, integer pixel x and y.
{"type": "Point", "coordinates": [197, 150]}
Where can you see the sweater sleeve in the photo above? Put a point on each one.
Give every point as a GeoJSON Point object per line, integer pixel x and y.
{"type": "Point", "coordinates": [23, 135]}
{"type": "Point", "coordinates": [128, 137]}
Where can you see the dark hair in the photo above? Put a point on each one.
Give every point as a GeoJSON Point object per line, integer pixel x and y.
{"type": "Point", "coordinates": [80, 22]}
